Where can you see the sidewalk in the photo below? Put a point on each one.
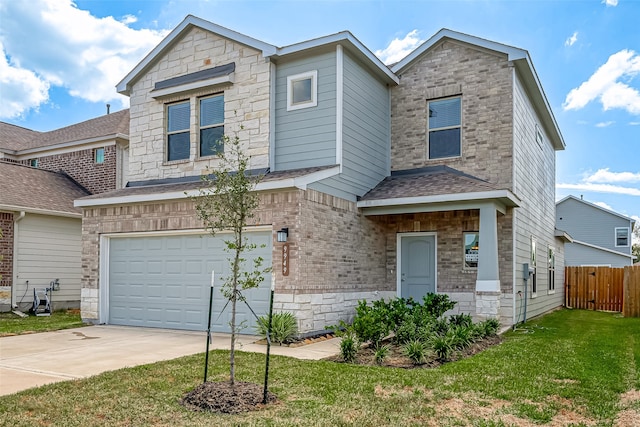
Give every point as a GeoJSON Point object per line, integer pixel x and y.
{"type": "Point", "coordinates": [36, 359]}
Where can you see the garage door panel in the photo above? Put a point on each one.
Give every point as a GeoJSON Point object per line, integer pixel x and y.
{"type": "Point", "coordinates": [164, 281]}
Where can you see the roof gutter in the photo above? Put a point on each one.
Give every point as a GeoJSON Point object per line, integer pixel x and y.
{"type": "Point", "coordinates": [24, 210]}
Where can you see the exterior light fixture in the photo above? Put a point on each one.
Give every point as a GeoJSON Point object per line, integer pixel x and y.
{"type": "Point", "coordinates": [283, 233]}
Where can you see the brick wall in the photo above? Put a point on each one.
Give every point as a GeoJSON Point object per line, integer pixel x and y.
{"type": "Point", "coordinates": [81, 166]}
{"type": "Point", "coordinates": [6, 248]}
{"type": "Point", "coordinates": [484, 80]}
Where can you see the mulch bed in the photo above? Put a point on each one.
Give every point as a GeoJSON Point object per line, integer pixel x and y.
{"type": "Point", "coordinates": [397, 359]}
{"type": "Point", "coordinates": [222, 397]}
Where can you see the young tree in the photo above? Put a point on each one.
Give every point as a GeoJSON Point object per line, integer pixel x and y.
{"type": "Point", "coordinates": [635, 248]}
{"type": "Point", "coordinates": [227, 202]}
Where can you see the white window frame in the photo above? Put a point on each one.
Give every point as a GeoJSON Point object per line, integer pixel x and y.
{"type": "Point", "coordinates": [429, 130]}
{"type": "Point", "coordinates": [95, 155]}
{"type": "Point", "coordinates": [200, 99]}
{"type": "Point", "coordinates": [464, 249]}
{"type": "Point", "coordinates": [33, 163]}
{"type": "Point", "coordinates": [168, 133]}
{"type": "Point", "coordinates": [533, 265]}
{"type": "Point", "coordinates": [615, 236]}
{"type": "Point", "coordinates": [539, 136]}
{"type": "Point", "coordinates": [551, 269]}
{"type": "Point", "coordinates": [313, 75]}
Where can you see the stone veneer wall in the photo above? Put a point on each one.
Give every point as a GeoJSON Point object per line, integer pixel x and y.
{"type": "Point", "coordinates": [246, 105]}
{"type": "Point", "coordinates": [6, 259]}
{"type": "Point", "coordinates": [81, 166]}
{"type": "Point", "coordinates": [484, 80]}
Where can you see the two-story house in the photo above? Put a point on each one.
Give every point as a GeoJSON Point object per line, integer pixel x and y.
{"type": "Point", "coordinates": [435, 175]}
{"type": "Point", "coordinates": [41, 174]}
{"type": "Point", "coordinates": [600, 237]}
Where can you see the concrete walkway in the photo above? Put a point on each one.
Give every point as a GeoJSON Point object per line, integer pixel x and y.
{"type": "Point", "coordinates": [36, 359]}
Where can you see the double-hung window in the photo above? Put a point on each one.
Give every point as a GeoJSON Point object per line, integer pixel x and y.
{"type": "Point", "coordinates": [533, 266]}
{"type": "Point", "coordinates": [552, 270]}
{"type": "Point", "coordinates": [211, 125]}
{"type": "Point", "coordinates": [622, 236]}
{"type": "Point", "coordinates": [444, 126]}
{"type": "Point", "coordinates": [178, 135]}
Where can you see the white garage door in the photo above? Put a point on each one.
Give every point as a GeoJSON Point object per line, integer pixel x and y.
{"type": "Point", "coordinates": [164, 282]}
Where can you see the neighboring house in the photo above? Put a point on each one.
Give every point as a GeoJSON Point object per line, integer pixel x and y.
{"type": "Point", "coordinates": [41, 175]}
{"type": "Point", "coordinates": [599, 236]}
{"type": "Point", "coordinates": [437, 175]}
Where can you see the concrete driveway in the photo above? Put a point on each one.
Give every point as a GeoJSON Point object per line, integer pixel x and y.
{"type": "Point", "coordinates": [36, 359]}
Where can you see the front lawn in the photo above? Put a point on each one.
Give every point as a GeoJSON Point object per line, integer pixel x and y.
{"type": "Point", "coordinates": [11, 324]}
{"type": "Point", "coordinates": [567, 368]}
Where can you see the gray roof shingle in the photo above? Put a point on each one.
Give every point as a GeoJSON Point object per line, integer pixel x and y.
{"type": "Point", "coordinates": [24, 187]}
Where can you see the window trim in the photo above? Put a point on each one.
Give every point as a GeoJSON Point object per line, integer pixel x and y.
{"type": "Point", "coordinates": [533, 264]}
{"type": "Point", "coordinates": [200, 128]}
{"type": "Point", "coordinates": [539, 136]}
{"type": "Point", "coordinates": [615, 237]}
{"type": "Point", "coordinates": [429, 130]}
{"type": "Point", "coordinates": [168, 133]}
{"type": "Point", "coordinates": [551, 270]}
{"type": "Point", "coordinates": [95, 155]}
{"type": "Point", "coordinates": [464, 249]}
{"type": "Point", "coordinates": [313, 75]}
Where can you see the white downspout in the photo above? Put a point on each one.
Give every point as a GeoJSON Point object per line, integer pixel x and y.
{"type": "Point", "coordinates": [14, 281]}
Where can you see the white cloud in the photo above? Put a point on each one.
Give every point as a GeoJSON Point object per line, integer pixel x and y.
{"type": "Point", "coordinates": [600, 188]}
{"type": "Point", "coordinates": [604, 85]}
{"type": "Point", "coordinates": [129, 19]}
{"type": "Point", "coordinates": [634, 123]}
{"type": "Point", "coordinates": [603, 205]}
{"type": "Point", "coordinates": [21, 89]}
{"type": "Point", "coordinates": [606, 176]}
{"type": "Point", "coordinates": [399, 48]}
{"type": "Point", "coordinates": [604, 124]}
{"type": "Point", "coordinates": [56, 44]}
{"type": "Point", "coordinates": [571, 40]}
{"type": "Point", "coordinates": [613, 3]}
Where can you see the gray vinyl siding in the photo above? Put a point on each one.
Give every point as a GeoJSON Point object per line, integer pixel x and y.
{"type": "Point", "coordinates": [534, 184]}
{"type": "Point", "coordinates": [366, 127]}
{"type": "Point", "coordinates": [49, 248]}
{"type": "Point", "coordinates": [591, 225]}
{"type": "Point", "coordinates": [306, 137]}
{"type": "Point", "coordinates": [578, 255]}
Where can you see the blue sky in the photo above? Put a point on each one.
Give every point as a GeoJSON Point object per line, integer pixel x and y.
{"type": "Point", "coordinates": [62, 59]}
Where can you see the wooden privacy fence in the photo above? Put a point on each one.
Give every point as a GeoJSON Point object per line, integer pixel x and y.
{"type": "Point", "coordinates": [603, 288]}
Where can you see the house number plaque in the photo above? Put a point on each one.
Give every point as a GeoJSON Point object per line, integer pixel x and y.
{"type": "Point", "coordinates": [285, 259]}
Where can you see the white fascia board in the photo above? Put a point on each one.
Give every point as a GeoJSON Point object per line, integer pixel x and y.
{"type": "Point", "coordinates": [513, 53]}
{"type": "Point", "coordinates": [68, 147]}
{"type": "Point", "coordinates": [173, 90]}
{"type": "Point", "coordinates": [600, 248]}
{"type": "Point", "coordinates": [11, 208]}
{"type": "Point", "coordinates": [341, 37]}
{"type": "Point", "coordinates": [123, 86]}
{"type": "Point", "coordinates": [500, 195]}
{"type": "Point", "coordinates": [300, 182]}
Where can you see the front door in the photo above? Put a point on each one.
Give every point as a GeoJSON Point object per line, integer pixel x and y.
{"type": "Point", "coordinates": [417, 265]}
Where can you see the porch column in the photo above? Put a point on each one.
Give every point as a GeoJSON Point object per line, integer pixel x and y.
{"type": "Point", "coordinates": [488, 279]}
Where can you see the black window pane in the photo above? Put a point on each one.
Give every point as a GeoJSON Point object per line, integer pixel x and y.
{"type": "Point", "coordinates": [444, 143]}
{"type": "Point", "coordinates": [178, 146]}
{"type": "Point", "coordinates": [211, 143]}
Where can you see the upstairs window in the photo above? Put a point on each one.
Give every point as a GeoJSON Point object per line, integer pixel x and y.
{"type": "Point", "coordinates": [302, 90]}
{"type": "Point", "coordinates": [622, 236]}
{"type": "Point", "coordinates": [444, 123]}
{"type": "Point", "coordinates": [211, 125]}
{"type": "Point", "coordinates": [33, 163]}
{"type": "Point", "coordinates": [98, 155]}
{"type": "Point", "coordinates": [178, 137]}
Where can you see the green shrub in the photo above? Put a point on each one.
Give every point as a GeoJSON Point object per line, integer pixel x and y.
{"type": "Point", "coordinates": [284, 327]}
{"type": "Point", "coordinates": [349, 346]}
{"type": "Point", "coordinates": [461, 320]}
{"type": "Point", "coordinates": [443, 346]}
{"type": "Point", "coordinates": [462, 336]}
{"type": "Point", "coordinates": [407, 331]}
{"type": "Point", "coordinates": [437, 304]}
{"type": "Point", "coordinates": [381, 353]}
{"type": "Point", "coordinates": [491, 327]}
{"type": "Point", "coordinates": [371, 323]}
{"type": "Point", "coordinates": [417, 351]}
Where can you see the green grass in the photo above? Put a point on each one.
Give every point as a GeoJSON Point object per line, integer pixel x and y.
{"type": "Point", "coordinates": [11, 324]}
{"type": "Point", "coordinates": [567, 368]}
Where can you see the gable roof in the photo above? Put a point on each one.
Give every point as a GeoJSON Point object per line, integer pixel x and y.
{"type": "Point", "coordinates": [16, 140]}
{"type": "Point", "coordinates": [593, 205]}
{"type": "Point", "coordinates": [268, 50]}
{"type": "Point", "coordinates": [39, 191]}
{"type": "Point", "coordinates": [522, 63]}
{"type": "Point", "coordinates": [186, 25]}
